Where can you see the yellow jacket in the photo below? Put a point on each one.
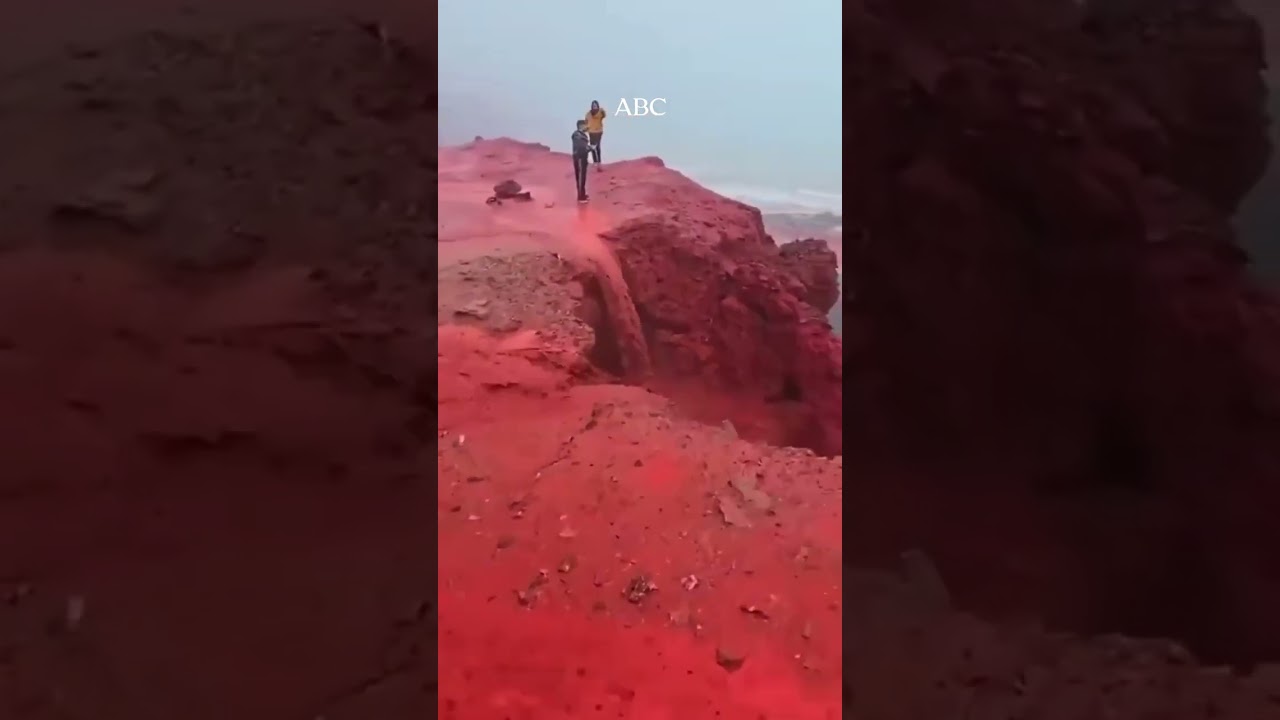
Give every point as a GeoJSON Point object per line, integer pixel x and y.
{"type": "Point", "coordinates": [595, 120]}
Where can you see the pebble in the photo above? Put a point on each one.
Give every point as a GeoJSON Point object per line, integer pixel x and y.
{"type": "Point", "coordinates": [730, 658]}
{"type": "Point", "coordinates": [639, 587]}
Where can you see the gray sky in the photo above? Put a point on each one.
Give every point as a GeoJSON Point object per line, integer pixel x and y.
{"type": "Point", "coordinates": [752, 88]}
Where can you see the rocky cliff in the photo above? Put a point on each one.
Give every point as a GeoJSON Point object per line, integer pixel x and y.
{"type": "Point", "coordinates": [689, 293]}
{"type": "Point", "coordinates": [1047, 303]}
{"type": "Point", "coordinates": [741, 315]}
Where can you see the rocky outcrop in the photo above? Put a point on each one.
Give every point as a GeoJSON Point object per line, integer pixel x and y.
{"type": "Point", "coordinates": [786, 227]}
{"type": "Point", "coordinates": [734, 316]}
{"type": "Point", "coordinates": [686, 292]}
{"type": "Point", "coordinates": [1192, 68]}
{"type": "Point", "coordinates": [813, 262]}
{"type": "Point", "coordinates": [1047, 301]}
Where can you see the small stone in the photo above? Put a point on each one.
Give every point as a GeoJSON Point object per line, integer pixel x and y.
{"type": "Point", "coordinates": [568, 564]}
{"type": "Point", "coordinates": [751, 493]}
{"type": "Point", "coordinates": [477, 309]}
{"type": "Point", "coordinates": [732, 514]}
{"type": "Point", "coordinates": [507, 189]}
{"type": "Point", "coordinates": [730, 658]}
{"type": "Point", "coordinates": [639, 587]}
{"type": "Point", "coordinates": [506, 541]}
{"type": "Point", "coordinates": [529, 595]}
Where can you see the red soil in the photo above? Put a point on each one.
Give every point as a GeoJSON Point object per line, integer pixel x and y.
{"type": "Point", "coordinates": [538, 470]}
{"type": "Point", "coordinates": [568, 495]}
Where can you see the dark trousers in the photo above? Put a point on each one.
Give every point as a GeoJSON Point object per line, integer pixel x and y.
{"type": "Point", "coordinates": [595, 142]}
{"type": "Point", "coordinates": [580, 173]}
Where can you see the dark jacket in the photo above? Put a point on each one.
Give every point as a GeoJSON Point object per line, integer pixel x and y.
{"type": "Point", "coordinates": [581, 143]}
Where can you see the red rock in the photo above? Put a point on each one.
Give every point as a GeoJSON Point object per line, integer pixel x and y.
{"type": "Point", "coordinates": [814, 263]}
{"type": "Point", "coordinates": [1046, 295]}
{"type": "Point", "coordinates": [734, 316]}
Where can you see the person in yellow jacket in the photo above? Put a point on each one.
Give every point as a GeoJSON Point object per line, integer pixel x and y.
{"type": "Point", "coordinates": [595, 129]}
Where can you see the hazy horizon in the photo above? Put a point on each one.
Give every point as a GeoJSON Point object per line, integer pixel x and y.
{"type": "Point", "coordinates": [753, 91]}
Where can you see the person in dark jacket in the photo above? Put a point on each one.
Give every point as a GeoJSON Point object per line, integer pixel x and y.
{"type": "Point", "coordinates": [581, 157]}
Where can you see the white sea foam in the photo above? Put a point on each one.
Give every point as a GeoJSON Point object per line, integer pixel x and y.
{"type": "Point", "coordinates": [799, 201]}
{"type": "Point", "coordinates": [778, 200]}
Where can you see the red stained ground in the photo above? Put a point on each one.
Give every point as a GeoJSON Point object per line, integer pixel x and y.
{"type": "Point", "coordinates": [555, 497]}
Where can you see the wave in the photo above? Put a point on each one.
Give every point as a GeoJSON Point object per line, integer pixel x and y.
{"type": "Point", "coordinates": [778, 200]}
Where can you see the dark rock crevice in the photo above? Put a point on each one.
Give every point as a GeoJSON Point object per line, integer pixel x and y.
{"type": "Point", "coordinates": [605, 353]}
{"type": "Point", "coordinates": [619, 347]}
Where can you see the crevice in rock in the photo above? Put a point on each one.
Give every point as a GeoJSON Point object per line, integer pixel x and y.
{"type": "Point", "coordinates": [605, 353]}
{"type": "Point", "coordinates": [648, 325]}
{"type": "Point", "coordinates": [620, 347]}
